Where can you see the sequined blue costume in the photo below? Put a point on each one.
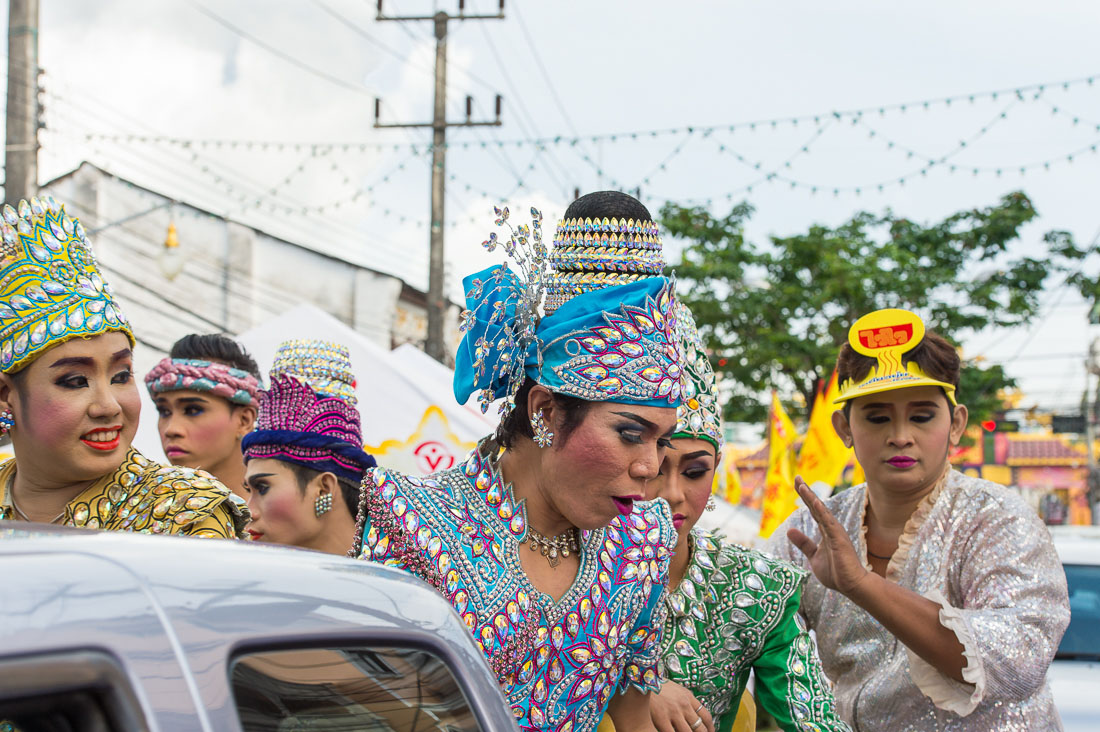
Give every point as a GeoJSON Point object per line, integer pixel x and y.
{"type": "Point", "coordinates": [558, 662]}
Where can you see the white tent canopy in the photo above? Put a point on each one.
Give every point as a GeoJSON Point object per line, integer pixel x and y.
{"type": "Point", "coordinates": [395, 388]}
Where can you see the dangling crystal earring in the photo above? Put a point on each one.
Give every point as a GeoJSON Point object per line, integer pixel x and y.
{"type": "Point", "coordinates": [7, 421]}
{"type": "Point", "coordinates": [543, 436]}
{"type": "Point", "coordinates": [711, 504]}
{"type": "Point", "coordinates": [323, 504]}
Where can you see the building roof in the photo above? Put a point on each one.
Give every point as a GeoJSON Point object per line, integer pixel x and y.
{"type": "Point", "coordinates": [408, 292]}
{"type": "Point", "coordinates": [1025, 450]}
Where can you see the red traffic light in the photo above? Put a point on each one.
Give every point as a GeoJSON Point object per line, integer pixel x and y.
{"type": "Point", "coordinates": [989, 425]}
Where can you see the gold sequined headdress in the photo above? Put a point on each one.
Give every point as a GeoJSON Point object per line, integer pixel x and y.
{"type": "Point", "coordinates": [591, 254]}
{"type": "Point", "coordinates": [51, 288]}
{"type": "Point", "coordinates": [324, 365]}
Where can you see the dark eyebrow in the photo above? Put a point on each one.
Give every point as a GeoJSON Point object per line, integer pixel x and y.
{"type": "Point", "coordinates": [876, 405]}
{"type": "Point", "coordinates": [71, 361]}
{"type": "Point", "coordinates": [188, 400]}
{"type": "Point", "coordinates": [87, 360]}
{"type": "Point", "coordinates": [698, 453]}
{"type": "Point", "coordinates": [640, 420]}
{"type": "Point", "coordinates": [250, 479]}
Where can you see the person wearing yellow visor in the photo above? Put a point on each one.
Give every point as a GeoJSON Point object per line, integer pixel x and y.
{"type": "Point", "coordinates": [937, 599]}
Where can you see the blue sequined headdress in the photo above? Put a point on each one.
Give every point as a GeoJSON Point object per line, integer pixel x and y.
{"type": "Point", "coordinates": [51, 289]}
{"type": "Point", "coordinates": [612, 340]}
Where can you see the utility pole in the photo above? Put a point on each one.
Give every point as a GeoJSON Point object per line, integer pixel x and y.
{"type": "Point", "coordinates": [437, 299]}
{"type": "Point", "coordinates": [21, 148]}
{"type": "Point", "coordinates": [1090, 407]}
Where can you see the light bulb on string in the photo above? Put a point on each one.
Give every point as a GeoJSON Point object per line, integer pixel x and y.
{"type": "Point", "coordinates": [171, 258]}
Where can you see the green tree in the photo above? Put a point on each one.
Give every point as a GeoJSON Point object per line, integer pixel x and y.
{"type": "Point", "coordinates": [775, 316]}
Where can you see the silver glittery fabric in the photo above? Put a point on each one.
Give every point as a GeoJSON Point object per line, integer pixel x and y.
{"type": "Point", "coordinates": [984, 555]}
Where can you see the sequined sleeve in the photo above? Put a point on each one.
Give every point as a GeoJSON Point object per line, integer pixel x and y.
{"type": "Point", "coordinates": [790, 683]}
{"type": "Point", "coordinates": [643, 671]}
{"type": "Point", "coordinates": [1008, 606]}
{"type": "Point", "coordinates": [376, 542]}
{"type": "Point", "coordinates": [223, 522]}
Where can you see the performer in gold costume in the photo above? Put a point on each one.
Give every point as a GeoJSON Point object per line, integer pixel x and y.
{"type": "Point", "coordinates": [68, 397]}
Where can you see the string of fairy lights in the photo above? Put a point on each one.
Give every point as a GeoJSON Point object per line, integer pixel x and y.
{"type": "Point", "coordinates": [382, 162]}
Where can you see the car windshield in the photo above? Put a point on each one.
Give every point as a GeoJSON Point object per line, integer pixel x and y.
{"type": "Point", "coordinates": [1082, 638]}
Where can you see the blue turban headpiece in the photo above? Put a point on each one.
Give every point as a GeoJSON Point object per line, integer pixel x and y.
{"type": "Point", "coordinates": [615, 344]}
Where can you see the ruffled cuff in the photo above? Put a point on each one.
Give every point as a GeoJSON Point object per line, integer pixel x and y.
{"type": "Point", "coordinates": [945, 692]}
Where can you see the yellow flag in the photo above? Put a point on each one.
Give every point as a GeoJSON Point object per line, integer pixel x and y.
{"type": "Point", "coordinates": [779, 494]}
{"type": "Point", "coordinates": [733, 482]}
{"type": "Point", "coordinates": [823, 456]}
{"type": "Point", "coordinates": [858, 475]}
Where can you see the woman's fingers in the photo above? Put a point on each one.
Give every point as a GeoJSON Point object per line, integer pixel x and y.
{"type": "Point", "coordinates": [708, 721]}
{"type": "Point", "coordinates": [805, 544]}
{"type": "Point", "coordinates": [825, 519]}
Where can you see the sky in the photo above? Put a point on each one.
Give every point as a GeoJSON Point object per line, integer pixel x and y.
{"type": "Point", "coordinates": [585, 84]}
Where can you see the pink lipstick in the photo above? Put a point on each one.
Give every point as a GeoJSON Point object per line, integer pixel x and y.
{"type": "Point", "coordinates": [625, 504]}
{"type": "Point", "coordinates": [902, 462]}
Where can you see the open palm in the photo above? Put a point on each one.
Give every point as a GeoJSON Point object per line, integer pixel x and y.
{"type": "Point", "coordinates": [833, 559]}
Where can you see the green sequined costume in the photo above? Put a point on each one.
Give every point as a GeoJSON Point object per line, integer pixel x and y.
{"type": "Point", "coordinates": [736, 611]}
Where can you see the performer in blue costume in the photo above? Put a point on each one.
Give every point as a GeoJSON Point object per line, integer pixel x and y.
{"type": "Point", "coordinates": [541, 538]}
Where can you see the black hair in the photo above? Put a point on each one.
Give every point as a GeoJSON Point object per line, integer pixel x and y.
{"type": "Point", "coordinates": [215, 347]}
{"type": "Point", "coordinates": [348, 490]}
{"type": "Point", "coordinates": [517, 423]}
{"type": "Point", "coordinates": [608, 204]}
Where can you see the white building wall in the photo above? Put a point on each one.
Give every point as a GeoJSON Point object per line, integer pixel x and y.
{"type": "Point", "coordinates": [234, 278]}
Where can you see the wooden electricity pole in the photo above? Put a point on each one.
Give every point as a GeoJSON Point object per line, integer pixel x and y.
{"type": "Point", "coordinates": [21, 146]}
{"type": "Point", "coordinates": [437, 299]}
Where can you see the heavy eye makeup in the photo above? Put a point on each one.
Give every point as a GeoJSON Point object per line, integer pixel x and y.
{"type": "Point", "coordinates": [258, 483]}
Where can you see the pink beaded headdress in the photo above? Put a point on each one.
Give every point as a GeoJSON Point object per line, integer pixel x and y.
{"type": "Point", "coordinates": [298, 425]}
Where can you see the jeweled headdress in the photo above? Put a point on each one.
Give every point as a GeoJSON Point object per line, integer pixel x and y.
{"type": "Point", "coordinates": [615, 342]}
{"type": "Point", "coordinates": [699, 415]}
{"type": "Point", "coordinates": [51, 288]}
{"type": "Point", "coordinates": [886, 335]}
{"type": "Point", "coordinates": [590, 254]}
{"type": "Point", "coordinates": [192, 374]}
{"type": "Point", "coordinates": [298, 425]}
{"type": "Point", "coordinates": [325, 365]}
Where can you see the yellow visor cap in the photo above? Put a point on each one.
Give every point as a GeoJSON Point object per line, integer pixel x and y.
{"type": "Point", "coordinates": [886, 335]}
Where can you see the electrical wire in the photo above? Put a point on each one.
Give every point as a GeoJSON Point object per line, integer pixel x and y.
{"type": "Point", "coordinates": [275, 51]}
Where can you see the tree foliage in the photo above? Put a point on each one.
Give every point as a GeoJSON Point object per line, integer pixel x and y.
{"type": "Point", "coordinates": [776, 316]}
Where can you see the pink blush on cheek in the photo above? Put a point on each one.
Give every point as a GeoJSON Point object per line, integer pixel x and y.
{"type": "Point", "coordinates": [697, 497]}
{"type": "Point", "coordinates": [57, 420]}
{"type": "Point", "coordinates": [284, 513]}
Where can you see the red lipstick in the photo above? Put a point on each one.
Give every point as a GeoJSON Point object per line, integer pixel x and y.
{"type": "Point", "coordinates": [99, 443]}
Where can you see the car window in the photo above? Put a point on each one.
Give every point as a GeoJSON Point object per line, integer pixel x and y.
{"type": "Point", "coordinates": [83, 691]}
{"type": "Point", "coordinates": [366, 689]}
{"type": "Point", "coordinates": [1082, 638]}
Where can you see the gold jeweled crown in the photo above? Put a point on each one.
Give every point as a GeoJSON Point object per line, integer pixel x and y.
{"type": "Point", "coordinates": [51, 288]}
{"type": "Point", "coordinates": [324, 365]}
{"type": "Point", "coordinates": [591, 254]}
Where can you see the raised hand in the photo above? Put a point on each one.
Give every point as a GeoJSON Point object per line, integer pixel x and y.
{"type": "Point", "coordinates": [834, 560]}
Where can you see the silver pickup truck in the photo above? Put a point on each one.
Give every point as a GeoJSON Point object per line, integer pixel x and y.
{"type": "Point", "coordinates": [107, 632]}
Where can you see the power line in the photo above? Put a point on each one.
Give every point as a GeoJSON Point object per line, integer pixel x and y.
{"type": "Point", "coordinates": [275, 51]}
{"type": "Point", "coordinates": [766, 124]}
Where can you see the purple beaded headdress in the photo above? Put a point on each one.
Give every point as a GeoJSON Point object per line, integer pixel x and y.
{"type": "Point", "coordinates": [300, 426]}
